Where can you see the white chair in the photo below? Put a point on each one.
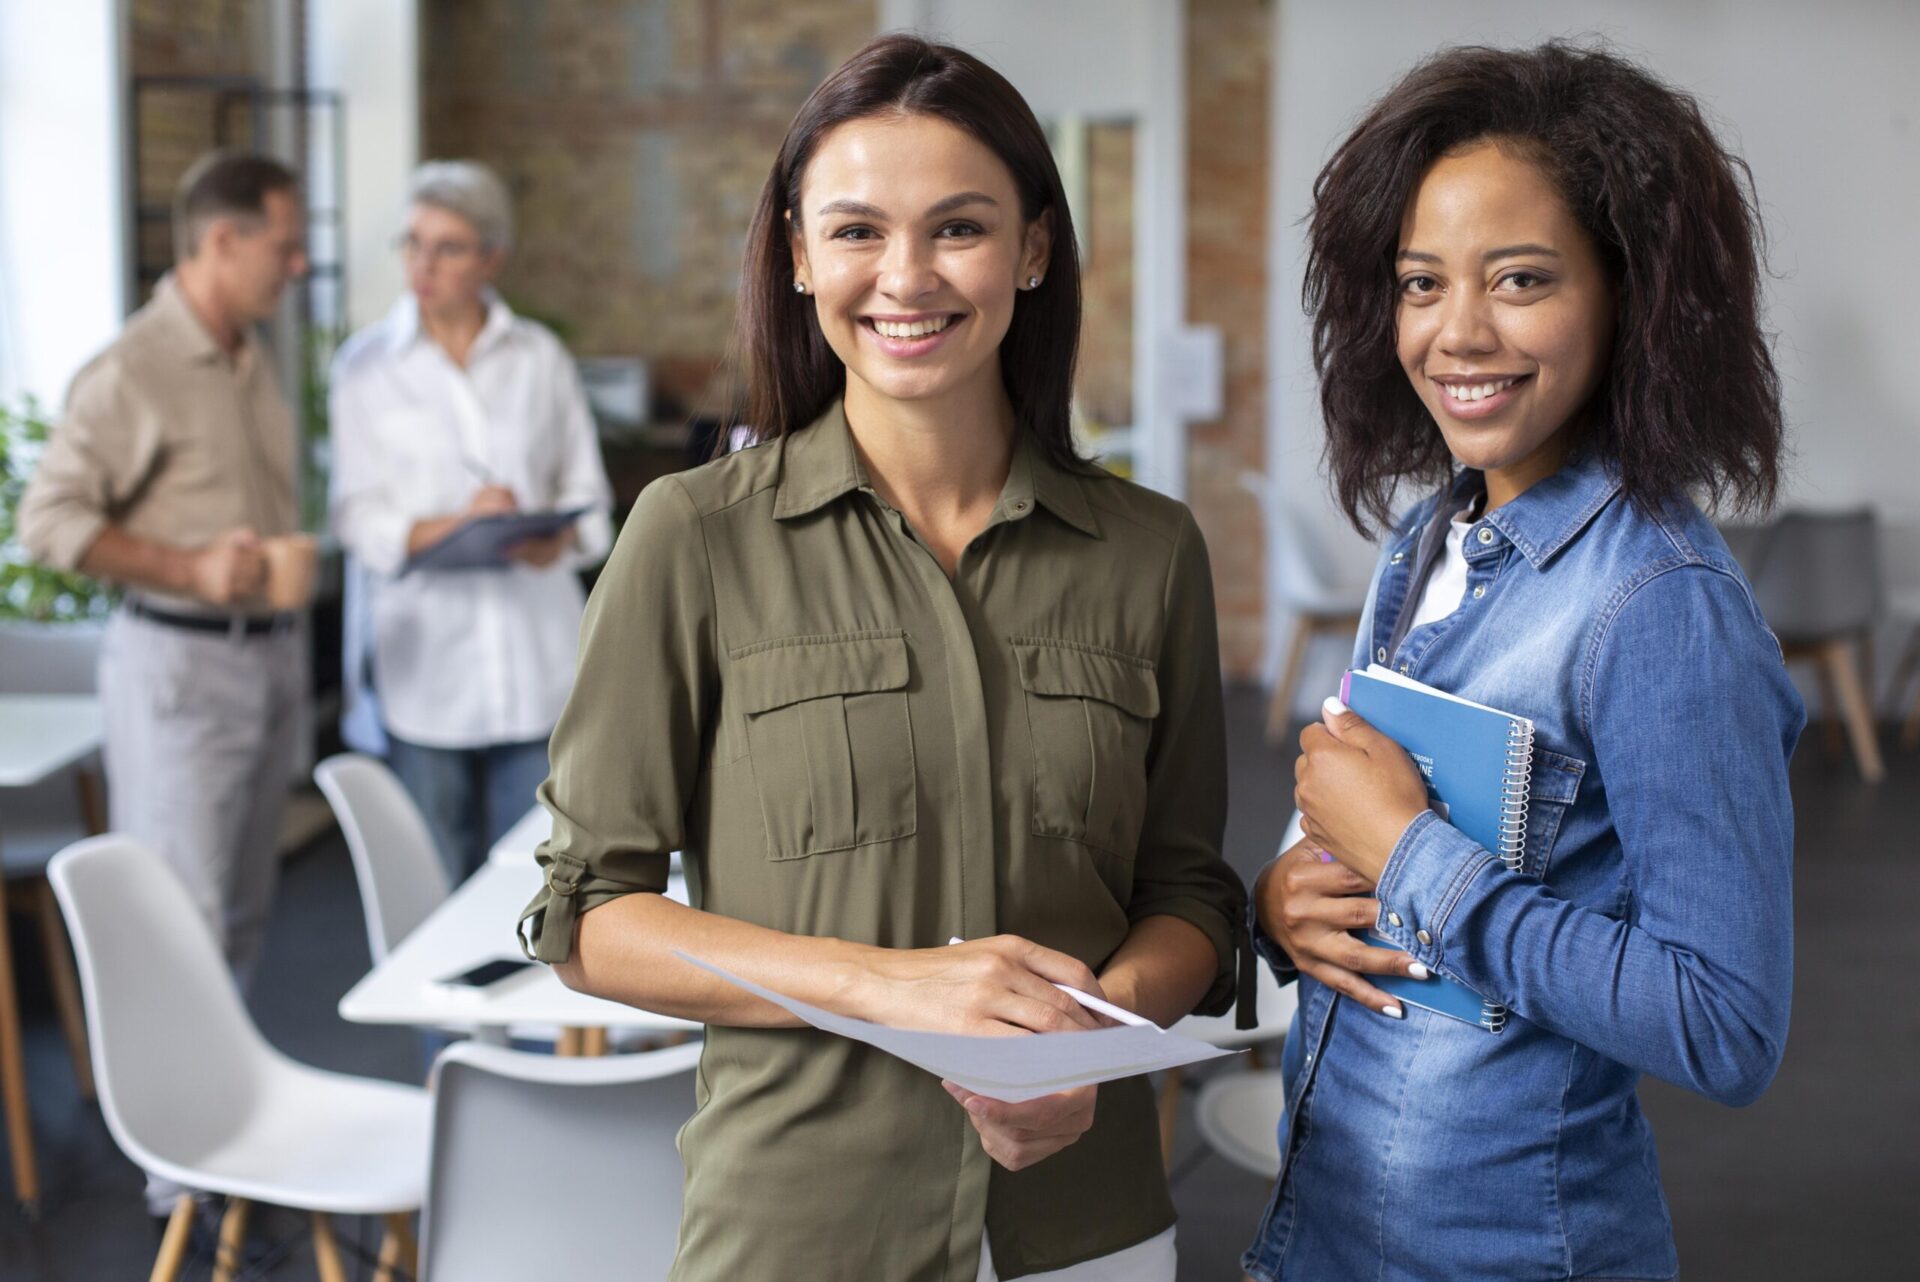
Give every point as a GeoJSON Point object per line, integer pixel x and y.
{"type": "Point", "coordinates": [35, 822]}
{"type": "Point", "coordinates": [400, 875]}
{"type": "Point", "coordinates": [555, 1168]}
{"type": "Point", "coordinates": [1319, 607]}
{"type": "Point", "coordinates": [1238, 1115]}
{"type": "Point", "coordinates": [193, 1093]}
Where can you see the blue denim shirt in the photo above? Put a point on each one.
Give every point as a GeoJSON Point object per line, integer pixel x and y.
{"type": "Point", "coordinates": [1648, 931]}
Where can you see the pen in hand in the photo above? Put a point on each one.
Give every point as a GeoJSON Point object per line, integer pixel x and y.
{"type": "Point", "coordinates": [1097, 1005]}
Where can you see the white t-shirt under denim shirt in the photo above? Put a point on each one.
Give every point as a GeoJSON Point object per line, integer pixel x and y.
{"type": "Point", "coordinates": [464, 658]}
{"type": "Point", "coordinates": [1446, 584]}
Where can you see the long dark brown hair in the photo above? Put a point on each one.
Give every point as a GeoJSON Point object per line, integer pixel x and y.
{"type": "Point", "coordinates": [791, 375]}
{"type": "Point", "coordinates": [1690, 402]}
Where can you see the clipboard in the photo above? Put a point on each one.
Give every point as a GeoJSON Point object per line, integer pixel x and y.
{"type": "Point", "coordinates": [482, 543]}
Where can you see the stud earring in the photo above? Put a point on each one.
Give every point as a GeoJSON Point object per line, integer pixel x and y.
{"type": "Point", "coordinates": [799, 287]}
{"type": "Point", "coordinates": [1033, 282]}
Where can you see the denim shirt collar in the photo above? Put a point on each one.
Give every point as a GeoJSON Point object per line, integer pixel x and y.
{"type": "Point", "coordinates": [1551, 514]}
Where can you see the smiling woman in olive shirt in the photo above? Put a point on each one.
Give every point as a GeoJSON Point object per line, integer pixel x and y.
{"type": "Point", "coordinates": [905, 671]}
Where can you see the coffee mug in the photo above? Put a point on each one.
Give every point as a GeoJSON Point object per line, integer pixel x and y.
{"type": "Point", "coordinates": [292, 560]}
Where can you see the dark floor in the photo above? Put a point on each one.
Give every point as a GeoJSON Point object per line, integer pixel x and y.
{"type": "Point", "coordinates": [1819, 1180]}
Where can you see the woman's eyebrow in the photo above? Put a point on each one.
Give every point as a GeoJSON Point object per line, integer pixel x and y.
{"type": "Point", "coordinates": [1528, 250]}
{"type": "Point", "coordinates": [861, 209]}
{"type": "Point", "coordinates": [1505, 251]}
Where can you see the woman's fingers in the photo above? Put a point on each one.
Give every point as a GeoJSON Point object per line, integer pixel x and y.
{"type": "Point", "coordinates": [1348, 984]}
{"type": "Point", "coordinates": [1054, 967]}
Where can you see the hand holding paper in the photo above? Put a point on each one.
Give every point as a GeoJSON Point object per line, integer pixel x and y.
{"type": "Point", "coordinates": [1012, 1069]}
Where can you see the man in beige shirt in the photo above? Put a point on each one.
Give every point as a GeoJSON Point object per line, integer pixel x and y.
{"type": "Point", "coordinates": [171, 473]}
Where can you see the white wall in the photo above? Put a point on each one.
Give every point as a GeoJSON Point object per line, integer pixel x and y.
{"type": "Point", "coordinates": [1106, 59]}
{"type": "Point", "coordinates": [369, 51]}
{"type": "Point", "coordinates": [62, 239]}
{"type": "Point", "coordinates": [1824, 103]}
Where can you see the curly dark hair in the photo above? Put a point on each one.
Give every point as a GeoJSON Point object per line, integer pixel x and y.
{"type": "Point", "coordinates": [1690, 401]}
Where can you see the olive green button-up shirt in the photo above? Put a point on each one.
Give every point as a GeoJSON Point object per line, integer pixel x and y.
{"type": "Point", "coordinates": [778, 679]}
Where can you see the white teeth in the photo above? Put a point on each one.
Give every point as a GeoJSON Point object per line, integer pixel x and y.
{"type": "Point", "coordinates": [911, 329]}
{"type": "Point", "coordinates": [1477, 391]}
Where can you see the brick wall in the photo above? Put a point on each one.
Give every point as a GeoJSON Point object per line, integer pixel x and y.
{"type": "Point", "coordinates": [635, 137]}
{"type": "Point", "coordinates": [1229, 65]}
{"type": "Point", "coordinates": [175, 126]}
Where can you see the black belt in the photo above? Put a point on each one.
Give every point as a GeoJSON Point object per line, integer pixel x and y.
{"type": "Point", "coordinates": [252, 625]}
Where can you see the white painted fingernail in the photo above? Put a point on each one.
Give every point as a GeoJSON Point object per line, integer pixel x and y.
{"type": "Point", "coordinates": [1419, 971]}
{"type": "Point", "coordinates": [1394, 1012]}
{"type": "Point", "coordinates": [1333, 707]}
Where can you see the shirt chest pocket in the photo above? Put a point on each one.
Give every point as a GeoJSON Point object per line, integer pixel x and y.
{"type": "Point", "coordinates": [830, 740]}
{"type": "Point", "coordinates": [1090, 713]}
{"type": "Point", "coordinates": [1551, 790]}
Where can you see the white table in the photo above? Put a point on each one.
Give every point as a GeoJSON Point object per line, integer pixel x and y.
{"type": "Point", "coordinates": [39, 734]}
{"type": "Point", "coordinates": [43, 733]}
{"type": "Point", "coordinates": [474, 925]}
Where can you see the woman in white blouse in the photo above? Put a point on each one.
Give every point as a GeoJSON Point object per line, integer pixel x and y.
{"type": "Point", "coordinates": [452, 407]}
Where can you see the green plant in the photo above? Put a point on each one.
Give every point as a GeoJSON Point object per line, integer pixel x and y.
{"type": "Point", "coordinates": [29, 591]}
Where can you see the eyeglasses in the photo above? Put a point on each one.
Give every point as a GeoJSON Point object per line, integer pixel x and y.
{"type": "Point", "coordinates": [439, 251]}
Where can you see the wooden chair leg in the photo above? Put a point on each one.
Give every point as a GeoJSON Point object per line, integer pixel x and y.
{"type": "Point", "coordinates": [326, 1250]}
{"type": "Point", "coordinates": [173, 1244]}
{"type": "Point", "coordinates": [593, 1042]}
{"type": "Point", "coordinates": [398, 1250]}
{"type": "Point", "coordinates": [571, 1041]}
{"type": "Point", "coordinates": [66, 986]}
{"type": "Point", "coordinates": [1170, 1114]}
{"type": "Point", "coordinates": [1280, 709]}
{"type": "Point", "coordinates": [93, 806]}
{"type": "Point", "coordinates": [231, 1253]}
{"type": "Point", "coordinates": [1839, 659]}
{"type": "Point", "coordinates": [13, 1078]}
{"type": "Point", "coordinates": [1829, 703]}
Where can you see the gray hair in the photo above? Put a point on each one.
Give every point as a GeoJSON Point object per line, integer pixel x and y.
{"type": "Point", "coordinates": [471, 190]}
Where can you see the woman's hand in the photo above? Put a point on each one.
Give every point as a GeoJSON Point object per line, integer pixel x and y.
{"type": "Point", "coordinates": [1018, 1135]}
{"type": "Point", "coordinates": [491, 500]}
{"type": "Point", "coordinates": [994, 987]}
{"type": "Point", "coordinates": [1357, 790]}
{"type": "Point", "coordinates": [541, 553]}
{"type": "Point", "coordinates": [1309, 907]}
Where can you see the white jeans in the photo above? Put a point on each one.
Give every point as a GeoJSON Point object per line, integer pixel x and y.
{"type": "Point", "coordinates": [1149, 1261]}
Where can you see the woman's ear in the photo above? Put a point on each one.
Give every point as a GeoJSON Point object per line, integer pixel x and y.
{"type": "Point", "coordinates": [1037, 254]}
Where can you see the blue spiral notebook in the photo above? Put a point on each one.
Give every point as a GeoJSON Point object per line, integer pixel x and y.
{"type": "Point", "coordinates": [1477, 762]}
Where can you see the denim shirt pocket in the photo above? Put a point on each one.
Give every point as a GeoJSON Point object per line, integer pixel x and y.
{"type": "Point", "coordinates": [1550, 794]}
{"type": "Point", "coordinates": [830, 739]}
{"type": "Point", "coordinates": [1090, 712]}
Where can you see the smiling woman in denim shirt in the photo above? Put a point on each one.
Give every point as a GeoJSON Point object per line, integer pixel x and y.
{"type": "Point", "coordinates": [1535, 284]}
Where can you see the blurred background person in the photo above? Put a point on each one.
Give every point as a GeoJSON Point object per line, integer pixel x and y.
{"type": "Point", "coordinates": [451, 408]}
{"type": "Point", "coordinates": [171, 473]}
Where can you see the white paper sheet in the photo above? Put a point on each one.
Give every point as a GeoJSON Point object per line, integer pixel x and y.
{"type": "Point", "coordinates": [1012, 1069]}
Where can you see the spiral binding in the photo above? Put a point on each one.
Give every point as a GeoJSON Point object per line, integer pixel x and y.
{"type": "Point", "coordinates": [1513, 830]}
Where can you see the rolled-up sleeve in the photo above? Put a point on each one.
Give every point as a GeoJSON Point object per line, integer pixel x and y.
{"type": "Point", "coordinates": [1179, 870]}
{"type": "Point", "coordinates": [627, 750]}
{"type": "Point", "coordinates": [100, 453]}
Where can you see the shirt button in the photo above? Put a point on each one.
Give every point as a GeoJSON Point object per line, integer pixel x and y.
{"type": "Point", "coordinates": [1019, 505]}
{"type": "Point", "coordinates": [1381, 654]}
{"type": "Point", "coordinates": [1396, 558]}
{"type": "Point", "coordinates": [1423, 936]}
{"type": "Point", "coordinates": [1479, 590]}
{"type": "Point", "coordinates": [1404, 668]}
{"type": "Point", "coordinates": [1393, 919]}
{"type": "Point", "coordinates": [1486, 534]}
